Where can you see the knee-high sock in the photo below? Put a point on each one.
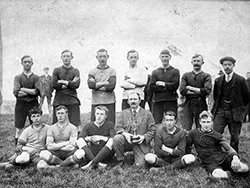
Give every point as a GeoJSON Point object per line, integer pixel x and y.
{"type": "Point", "coordinates": [88, 153]}
{"type": "Point", "coordinates": [179, 164]}
{"type": "Point", "coordinates": [160, 162]}
{"type": "Point", "coordinates": [16, 139]}
{"type": "Point", "coordinates": [54, 160]}
{"type": "Point", "coordinates": [69, 161]}
{"type": "Point", "coordinates": [105, 151]}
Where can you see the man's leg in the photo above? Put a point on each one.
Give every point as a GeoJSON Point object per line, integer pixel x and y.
{"type": "Point", "coordinates": [20, 118]}
{"type": "Point", "coordinates": [120, 144]}
{"type": "Point", "coordinates": [74, 114]}
{"type": "Point", "coordinates": [54, 118]}
{"type": "Point", "coordinates": [154, 161]}
{"type": "Point", "coordinates": [49, 105]}
{"type": "Point", "coordinates": [139, 155]}
{"type": "Point", "coordinates": [125, 104]}
{"type": "Point", "coordinates": [92, 116]}
{"type": "Point", "coordinates": [111, 115]}
{"type": "Point", "coordinates": [142, 103]}
{"type": "Point", "coordinates": [188, 115]}
{"type": "Point", "coordinates": [170, 106]}
{"type": "Point", "coordinates": [220, 121]}
{"type": "Point", "coordinates": [234, 130]}
{"type": "Point", "coordinates": [74, 158]}
{"type": "Point", "coordinates": [41, 102]}
{"type": "Point", "coordinates": [49, 158]}
{"type": "Point", "coordinates": [158, 111]}
{"type": "Point", "coordinates": [201, 105]}
{"type": "Point", "coordinates": [184, 161]}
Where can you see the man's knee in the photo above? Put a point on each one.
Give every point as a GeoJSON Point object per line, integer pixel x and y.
{"type": "Point", "coordinates": [219, 173]}
{"type": "Point", "coordinates": [45, 155]}
{"type": "Point", "coordinates": [119, 138]}
{"type": "Point", "coordinates": [81, 143]}
{"type": "Point", "coordinates": [243, 168]}
{"type": "Point", "coordinates": [24, 157]}
{"type": "Point", "coordinates": [79, 154]}
{"type": "Point", "coordinates": [188, 158]}
{"type": "Point", "coordinates": [109, 144]}
{"type": "Point", "coordinates": [150, 158]}
{"type": "Point", "coordinates": [41, 165]}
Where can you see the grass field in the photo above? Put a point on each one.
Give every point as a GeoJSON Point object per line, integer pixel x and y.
{"type": "Point", "coordinates": [130, 177]}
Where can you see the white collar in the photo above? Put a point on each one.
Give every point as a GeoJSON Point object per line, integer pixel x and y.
{"type": "Point", "coordinates": [229, 75]}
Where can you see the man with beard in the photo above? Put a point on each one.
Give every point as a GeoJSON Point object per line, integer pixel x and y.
{"type": "Point", "coordinates": [195, 86]}
{"type": "Point", "coordinates": [26, 91]}
{"type": "Point", "coordinates": [231, 97]}
{"type": "Point", "coordinates": [102, 81]}
{"type": "Point", "coordinates": [164, 84]}
{"type": "Point", "coordinates": [135, 78]}
{"type": "Point", "coordinates": [135, 129]}
{"type": "Point", "coordinates": [65, 80]}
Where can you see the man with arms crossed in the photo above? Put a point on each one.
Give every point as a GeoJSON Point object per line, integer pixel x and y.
{"type": "Point", "coordinates": [169, 146]}
{"type": "Point", "coordinates": [65, 80]}
{"type": "Point", "coordinates": [102, 81]}
{"type": "Point", "coordinates": [195, 86]}
{"type": "Point", "coordinates": [217, 156]}
{"type": "Point", "coordinates": [135, 78]}
{"type": "Point", "coordinates": [61, 140]}
{"type": "Point", "coordinates": [26, 92]}
{"type": "Point", "coordinates": [231, 97]}
{"type": "Point", "coordinates": [96, 139]}
{"type": "Point", "coordinates": [135, 129]}
{"type": "Point", "coordinates": [164, 84]}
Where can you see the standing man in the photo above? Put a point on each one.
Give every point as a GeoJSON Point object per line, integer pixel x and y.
{"type": "Point", "coordinates": [164, 84]}
{"type": "Point", "coordinates": [195, 86]}
{"type": "Point", "coordinates": [102, 81]}
{"type": "Point", "coordinates": [248, 85]}
{"type": "Point", "coordinates": [46, 89]}
{"type": "Point", "coordinates": [65, 80]}
{"type": "Point", "coordinates": [135, 129]}
{"type": "Point", "coordinates": [26, 92]}
{"type": "Point", "coordinates": [231, 97]}
{"type": "Point", "coordinates": [135, 78]}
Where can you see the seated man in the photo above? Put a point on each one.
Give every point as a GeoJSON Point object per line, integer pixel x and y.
{"type": "Point", "coordinates": [61, 139]}
{"type": "Point", "coordinates": [96, 139]}
{"type": "Point", "coordinates": [217, 156]}
{"type": "Point", "coordinates": [135, 129]}
{"type": "Point", "coordinates": [31, 141]}
{"type": "Point", "coordinates": [170, 145]}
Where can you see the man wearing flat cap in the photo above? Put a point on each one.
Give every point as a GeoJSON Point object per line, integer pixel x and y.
{"type": "Point", "coordinates": [164, 84]}
{"type": "Point", "coordinates": [230, 100]}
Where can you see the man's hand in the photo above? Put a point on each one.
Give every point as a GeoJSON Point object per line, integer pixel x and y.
{"type": "Point", "coordinates": [64, 87]}
{"type": "Point", "coordinates": [64, 82]}
{"type": "Point", "coordinates": [160, 83]}
{"type": "Point", "coordinates": [141, 139]}
{"type": "Point", "coordinates": [22, 94]}
{"type": "Point", "coordinates": [126, 77]}
{"type": "Point", "coordinates": [91, 80]}
{"type": "Point", "coordinates": [127, 137]}
{"type": "Point", "coordinates": [30, 150]}
{"type": "Point", "coordinates": [98, 138]}
{"type": "Point", "coordinates": [235, 164]}
{"type": "Point", "coordinates": [76, 79]}
{"type": "Point", "coordinates": [68, 147]}
{"type": "Point", "coordinates": [167, 149]}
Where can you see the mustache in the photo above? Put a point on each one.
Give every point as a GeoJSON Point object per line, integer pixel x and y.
{"type": "Point", "coordinates": [196, 65]}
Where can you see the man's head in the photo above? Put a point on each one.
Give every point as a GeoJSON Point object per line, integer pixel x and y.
{"type": "Point", "coordinates": [102, 57]}
{"type": "Point", "coordinates": [134, 100]}
{"type": "Point", "coordinates": [132, 57]}
{"type": "Point", "coordinates": [206, 121]}
{"type": "Point", "coordinates": [46, 70]}
{"type": "Point", "coordinates": [35, 115]}
{"type": "Point", "coordinates": [197, 61]}
{"type": "Point", "coordinates": [248, 75]}
{"type": "Point", "coordinates": [66, 57]}
{"type": "Point", "coordinates": [228, 64]}
{"type": "Point", "coordinates": [165, 57]}
{"type": "Point", "coordinates": [27, 62]}
{"type": "Point", "coordinates": [62, 114]}
{"type": "Point", "coordinates": [169, 120]}
{"type": "Point", "coordinates": [101, 113]}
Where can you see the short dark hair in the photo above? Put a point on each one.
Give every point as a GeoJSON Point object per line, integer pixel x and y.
{"type": "Point", "coordinates": [132, 51]}
{"type": "Point", "coordinates": [198, 55]}
{"type": "Point", "coordinates": [26, 56]}
{"type": "Point", "coordinates": [35, 110]}
{"type": "Point", "coordinates": [103, 108]}
{"type": "Point", "coordinates": [134, 92]}
{"type": "Point", "coordinates": [102, 50]}
{"type": "Point", "coordinates": [170, 113]}
{"type": "Point", "coordinates": [61, 107]}
{"type": "Point", "coordinates": [67, 51]}
{"type": "Point", "coordinates": [205, 114]}
{"type": "Point", "coordinates": [46, 68]}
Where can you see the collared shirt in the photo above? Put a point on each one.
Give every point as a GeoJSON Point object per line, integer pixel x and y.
{"type": "Point", "coordinates": [34, 138]}
{"type": "Point", "coordinates": [57, 134]}
{"type": "Point", "coordinates": [229, 77]}
{"type": "Point", "coordinates": [30, 81]}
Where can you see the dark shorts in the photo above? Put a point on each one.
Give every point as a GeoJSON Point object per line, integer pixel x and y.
{"type": "Point", "coordinates": [22, 109]}
{"type": "Point", "coordinates": [225, 165]}
{"type": "Point", "coordinates": [62, 154]}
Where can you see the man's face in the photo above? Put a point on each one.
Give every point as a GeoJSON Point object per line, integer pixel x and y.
{"type": "Point", "coordinates": [100, 116]}
{"type": "Point", "coordinates": [66, 58]}
{"type": "Point", "coordinates": [169, 122]}
{"type": "Point", "coordinates": [133, 58]}
{"type": "Point", "coordinates": [27, 63]}
{"type": "Point", "coordinates": [36, 119]}
{"type": "Point", "coordinates": [248, 75]}
{"type": "Point", "coordinates": [102, 58]}
{"type": "Point", "coordinates": [206, 124]}
{"type": "Point", "coordinates": [61, 115]}
{"type": "Point", "coordinates": [197, 63]}
{"type": "Point", "coordinates": [46, 71]}
{"type": "Point", "coordinates": [133, 100]}
{"type": "Point", "coordinates": [165, 59]}
{"type": "Point", "coordinates": [228, 66]}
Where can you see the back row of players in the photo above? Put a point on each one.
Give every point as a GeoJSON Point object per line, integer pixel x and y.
{"type": "Point", "coordinates": [231, 96]}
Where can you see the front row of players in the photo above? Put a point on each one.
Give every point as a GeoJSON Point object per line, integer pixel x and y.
{"type": "Point", "coordinates": [58, 146]}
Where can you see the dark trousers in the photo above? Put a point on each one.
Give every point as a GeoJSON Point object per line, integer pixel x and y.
{"type": "Point", "coordinates": [163, 106]}
{"type": "Point", "coordinates": [111, 108]}
{"type": "Point", "coordinates": [125, 104]}
{"type": "Point", "coordinates": [22, 109]}
{"type": "Point", "coordinates": [73, 112]}
{"type": "Point", "coordinates": [224, 118]}
{"type": "Point", "coordinates": [192, 110]}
